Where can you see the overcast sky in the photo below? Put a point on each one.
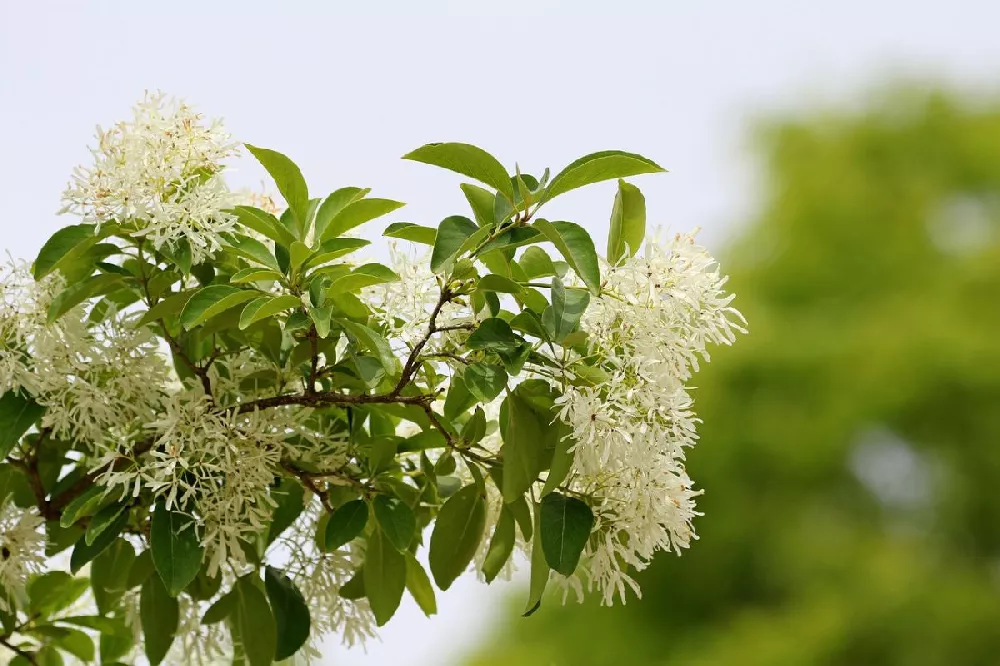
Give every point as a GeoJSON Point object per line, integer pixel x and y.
{"type": "Point", "coordinates": [345, 89]}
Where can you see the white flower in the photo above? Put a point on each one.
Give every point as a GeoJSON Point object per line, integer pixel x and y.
{"type": "Point", "coordinates": [162, 171]}
{"type": "Point", "coordinates": [89, 376]}
{"type": "Point", "coordinates": [22, 550]}
{"type": "Point", "coordinates": [652, 323]}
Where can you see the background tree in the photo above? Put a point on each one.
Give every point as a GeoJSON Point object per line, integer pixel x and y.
{"type": "Point", "coordinates": [849, 451]}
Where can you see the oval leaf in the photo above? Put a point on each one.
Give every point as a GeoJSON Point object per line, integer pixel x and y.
{"type": "Point", "coordinates": [213, 300]}
{"type": "Point", "coordinates": [384, 577]}
{"type": "Point", "coordinates": [396, 520]}
{"type": "Point", "coordinates": [457, 533]}
{"type": "Point", "coordinates": [596, 167]}
{"type": "Point", "coordinates": [452, 233]}
{"type": "Point", "coordinates": [254, 622]}
{"type": "Point", "coordinates": [291, 615]}
{"type": "Point", "coordinates": [357, 213]}
{"type": "Point", "coordinates": [501, 545]}
{"type": "Point", "coordinates": [419, 586]}
{"type": "Point", "coordinates": [576, 246]}
{"type": "Point", "coordinates": [159, 615]}
{"type": "Point", "coordinates": [628, 222]}
{"type": "Point", "coordinates": [287, 177]}
{"type": "Point", "coordinates": [345, 524]}
{"type": "Point", "coordinates": [467, 160]}
{"type": "Point", "coordinates": [177, 551]}
{"type": "Point", "coordinates": [566, 523]}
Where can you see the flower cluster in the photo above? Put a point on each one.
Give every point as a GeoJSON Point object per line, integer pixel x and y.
{"type": "Point", "coordinates": [118, 371]}
{"type": "Point", "coordinates": [22, 546]}
{"type": "Point", "coordinates": [162, 171]}
{"type": "Point", "coordinates": [649, 328]}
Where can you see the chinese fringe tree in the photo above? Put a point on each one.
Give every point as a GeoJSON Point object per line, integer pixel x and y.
{"type": "Point", "coordinates": [222, 434]}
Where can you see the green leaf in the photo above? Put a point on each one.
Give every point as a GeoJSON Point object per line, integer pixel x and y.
{"type": "Point", "coordinates": [562, 460]}
{"type": "Point", "coordinates": [254, 274]}
{"type": "Point", "coordinates": [513, 238]}
{"type": "Point", "coordinates": [335, 248]}
{"type": "Point", "coordinates": [264, 307]}
{"type": "Point", "coordinates": [254, 250]}
{"type": "Point", "coordinates": [363, 276]}
{"type": "Point", "coordinates": [485, 381]}
{"type": "Point", "coordinates": [73, 295]}
{"type": "Point", "coordinates": [212, 300]}
{"type": "Point", "coordinates": [452, 233]}
{"type": "Point", "coordinates": [457, 532]}
{"type": "Point", "coordinates": [384, 577]}
{"type": "Point", "coordinates": [482, 203]}
{"type": "Point", "coordinates": [501, 545]}
{"type": "Point", "coordinates": [104, 519]}
{"type": "Point", "coordinates": [291, 615]}
{"type": "Point", "coordinates": [419, 586]}
{"type": "Point", "coordinates": [412, 232]}
{"type": "Point", "coordinates": [540, 571]}
{"type": "Point", "coordinates": [18, 412]}
{"type": "Point", "coordinates": [357, 213]}
{"type": "Point", "coordinates": [565, 524]}
{"type": "Point", "coordinates": [396, 520]}
{"type": "Point", "coordinates": [598, 167]}
{"type": "Point", "coordinates": [563, 316]}
{"type": "Point", "coordinates": [159, 614]}
{"type": "Point", "coordinates": [53, 591]}
{"type": "Point", "coordinates": [170, 305]}
{"type": "Point", "coordinates": [289, 180]}
{"type": "Point", "coordinates": [177, 551]}
{"type": "Point", "coordinates": [536, 263]}
{"type": "Point", "coordinates": [254, 622]}
{"type": "Point", "coordinates": [84, 504]}
{"type": "Point", "coordinates": [62, 246]}
{"type": "Point", "coordinates": [493, 334]}
{"type": "Point", "coordinates": [290, 499]}
{"type": "Point", "coordinates": [494, 282]}
{"type": "Point", "coordinates": [467, 160]}
{"type": "Point", "coordinates": [298, 253]}
{"type": "Point", "coordinates": [345, 524]}
{"type": "Point", "coordinates": [265, 224]}
{"type": "Point", "coordinates": [374, 342]}
{"type": "Point", "coordinates": [522, 449]}
{"type": "Point", "coordinates": [76, 643]}
{"type": "Point", "coordinates": [84, 552]}
{"type": "Point", "coordinates": [576, 247]}
{"type": "Point", "coordinates": [220, 610]}
{"type": "Point", "coordinates": [142, 568]}
{"type": "Point", "coordinates": [458, 400]}
{"type": "Point", "coordinates": [335, 203]}
{"type": "Point", "coordinates": [628, 223]}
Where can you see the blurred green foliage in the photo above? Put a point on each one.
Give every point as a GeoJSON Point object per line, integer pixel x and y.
{"type": "Point", "coordinates": [851, 446]}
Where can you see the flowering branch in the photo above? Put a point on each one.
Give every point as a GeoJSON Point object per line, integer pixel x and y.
{"type": "Point", "coordinates": [551, 388]}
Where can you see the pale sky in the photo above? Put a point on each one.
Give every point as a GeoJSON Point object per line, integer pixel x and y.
{"type": "Point", "coordinates": [346, 88]}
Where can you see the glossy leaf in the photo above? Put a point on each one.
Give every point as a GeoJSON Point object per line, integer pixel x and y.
{"type": "Point", "coordinates": [291, 614]}
{"type": "Point", "coordinates": [62, 246]}
{"type": "Point", "coordinates": [501, 545]}
{"type": "Point", "coordinates": [597, 167]}
{"type": "Point", "coordinates": [18, 412]}
{"type": "Point", "coordinates": [522, 450]}
{"type": "Point", "coordinates": [345, 524]}
{"type": "Point", "coordinates": [457, 533]}
{"type": "Point", "coordinates": [485, 381]}
{"type": "Point", "coordinates": [565, 524]}
{"type": "Point", "coordinates": [452, 233]}
{"type": "Point", "coordinates": [482, 203]}
{"type": "Point", "coordinates": [384, 577]}
{"type": "Point", "coordinates": [213, 300]}
{"type": "Point", "coordinates": [576, 246]}
{"type": "Point", "coordinates": [159, 615]}
{"type": "Point", "coordinates": [357, 213]}
{"type": "Point", "coordinates": [411, 232]}
{"type": "Point", "coordinates": [467, 160]}
{"type": "Point", "coordinates": [396, 520]}
{"type": "Point", "coordinates": [254, 622]}
{"type": "Point", "coordinates": [287, 177]}
{"type": "Point", "coordinates": [177, 551]}
{"type": "Point", "coordinates": [628, 223]}
{"type": "Point", "coordinates": [540, 571]}
{"type": "Point", "coordinates": [266, 306]}
{"type": "Point", "coordinates": [265, 224]}
{"type": "Point", "coordinates": [419, 586]}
